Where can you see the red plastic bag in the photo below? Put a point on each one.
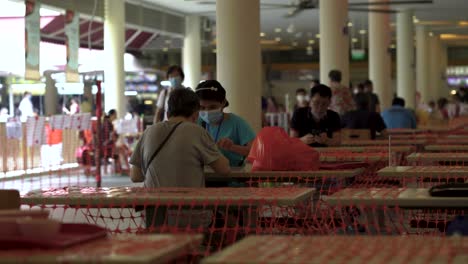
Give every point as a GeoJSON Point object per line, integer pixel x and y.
{"type": "Point", "coordinates": [274, 150]}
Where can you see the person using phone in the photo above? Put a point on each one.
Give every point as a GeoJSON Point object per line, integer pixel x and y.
{"type": "Point", "coordinates": [316, 125]}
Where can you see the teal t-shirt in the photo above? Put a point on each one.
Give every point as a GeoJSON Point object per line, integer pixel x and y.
{"type": "Point", "coordinates": [236, 129]}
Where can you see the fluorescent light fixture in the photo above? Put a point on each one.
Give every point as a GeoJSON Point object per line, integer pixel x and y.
{"type": "Point", "coordinates": [277, 39]}
{"type": "Point", "coordinates": [431, 34]}
{"type": "Point", "coordinates": [131, 93]}
{"type": "Point", "coordinates": [354, 40]}
{"type": "Point", "coordinates": [362, 31]}
{"type": "Point", "coordinates": [166, 83]}
{"type": "Point", "coordinates": [350, 24]}
{"type": "Point", "coordinates": [453, 92]}
{"type": "Point", "coordinates": [165, 49]}
{"type": "Point", "coordinates": [278, 30]}
{"type": "Point", "coordinates": [311, 41]}
{"type": "Point", "coordinates": [262, 34]}
{"type": "Point", "coordinates": [317, 35]}
{"type": "Point", "coordinates": [148, 102]}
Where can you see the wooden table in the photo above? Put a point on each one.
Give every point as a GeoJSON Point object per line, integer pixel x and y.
{"type": "Point", "coordinates": [343, 249]}
{"type": "Point", "coordinates": [350, 157]}
{"type": "Point", "coordinates": [452, 141]}
{"type": "Point", "coordinates": [446, 148]}
{"type": "Point", "coordinates": [384, 142]}
{"type": "Point", "coordinates": [423, 171]}
{"type": "Point", "coordinates": [438, 157]}
{"type": "Point", "coordinates": [244, 175]}
{"type": "Point", "coordinates": [115, 249]}
{"type": "Point", "coordinates": [133, 196]}
{"type": "Point", "coordinates": [360, 149]}
{"type": "Point", "coordinates": [394, 197]}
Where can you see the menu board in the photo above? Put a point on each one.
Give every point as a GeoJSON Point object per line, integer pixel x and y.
{"type": "Point", "coordinates": [32, 39]}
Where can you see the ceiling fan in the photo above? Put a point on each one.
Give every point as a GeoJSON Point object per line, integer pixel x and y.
{"type": "Point", "coordinates": [298, 6]}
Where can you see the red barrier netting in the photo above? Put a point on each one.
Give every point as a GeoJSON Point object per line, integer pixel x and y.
{"type": "Point", "coordinates": [424, 176]}
{"type": "Point", "coordinates": [438, 159]}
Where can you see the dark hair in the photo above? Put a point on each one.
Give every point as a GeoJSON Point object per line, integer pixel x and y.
{"type": "Point", "coordinates": [26, 93]}
{"type": "Point", "coordinates": [322, 90]}
{"type": "Point", "coordinates": [111, 112]}
{"type": "Point", "coordinates": [174, 68]}
{"type": "Point", "coordinates": [398, 101]}
{"type": "Point", "coordinates": [367, 83]}
{"type": "Point", "coordinates": [182, 102]}
{"type": "Point", "coordinates": [217, 93]}
{"type": "Point", "coordinates": [442, 102]}
{"type": "Point", "coordinates": [362, 101]}
{"type": "Point", "coordinates": [316, 81]}
{"type": "Point", "coordinates": [300, 90]}
{"type": "Point", "coordinates": [335, 75]}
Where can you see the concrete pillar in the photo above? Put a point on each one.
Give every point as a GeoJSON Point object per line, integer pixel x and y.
{"type": "Point", "coordinates": [406, 86]}
{"type": "Point", "coordinates": [379, 56]}
{"type": "Point", "coordinates": [114, 49]}
{"type": "Point", "coordinates": [238, 58]}
{"type": "Point", "coordinates": [445, 91]}
{"type": "Point", "coordinates": [435, 69]}
{"type": "Point", "coordinates": [334, 39]}
{"type": "Point", "coordinates": [192, 51]}
{"type": "Point", "coordinates": [422, 63]}
{"type": "Point", "coordinates": [51, 95]}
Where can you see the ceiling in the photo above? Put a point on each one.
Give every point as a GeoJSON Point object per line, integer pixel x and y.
{"type": "Point", "coordinates": [443, 17]}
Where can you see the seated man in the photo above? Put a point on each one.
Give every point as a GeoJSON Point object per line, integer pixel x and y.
{"type": "Point", "coordinates": [317, 126]}
{"type": "Point", "coordinates": [173, 153]}
{"type": "Point", "coordinates": [398, 116]}
{"type": "Point", "coordinates": [362, 118]}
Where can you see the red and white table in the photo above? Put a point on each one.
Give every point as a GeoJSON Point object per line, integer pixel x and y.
{"type": "Point", "coordinates": [343, 249]}
{"type": "Point", "coordinates": [161, 248]}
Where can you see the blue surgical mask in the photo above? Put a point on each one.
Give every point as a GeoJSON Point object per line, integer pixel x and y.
{"type": "Point", "coordinates": [211, 117]}
{"type": "Point", "coordinates": [176, 82]}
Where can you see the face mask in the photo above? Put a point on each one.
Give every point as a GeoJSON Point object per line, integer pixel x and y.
{"type": "Point", "coordinates": [176, 82]}
{"type": "Point", "coordinates": [301, 98]}
{"type": "Point", "coordinates": [211, 117]}
{"type": "Point", "coordinates": [307, 98]}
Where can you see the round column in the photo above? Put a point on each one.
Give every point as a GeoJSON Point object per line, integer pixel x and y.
{"type": "Point", "coordinates": [435, 69]}
{"type": "Point", "coordinates": [114, 49]}
{"type": "Point", "coordinates": [379, 56]}
{"type": "Point", "coordinates": [192, 51]}
{"type": "Point", "coordinates": [334, 39]}
{"type": "Point", "coordinates": [405, 56]}
{"type": "Point", "coordinates": [51, 95]}
{"type": "Point", "coordinates": [444, 92]}
{"type": "Point", "coordinates": [422, 63]}
{"type": "Point", "coordinates": [238, 57]}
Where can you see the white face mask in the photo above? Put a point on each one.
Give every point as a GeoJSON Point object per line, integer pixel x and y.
{"type": "Point", "coordinates": [301, 98]}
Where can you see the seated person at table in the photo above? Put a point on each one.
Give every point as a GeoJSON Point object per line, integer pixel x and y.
{"type": "Point", "coordinates": [362, 118]}
{"type": "Point", "coordinates": [182, 155]}
{"type": "Point", "coordinates": [232, 134]}
{"type": "Point", "coordinates": [315, 125]}
{"type": "Point", "coordinates": [398, 116]}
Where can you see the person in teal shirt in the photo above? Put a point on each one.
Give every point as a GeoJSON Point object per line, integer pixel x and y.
{"type": "Point", "coordinates": [233, 135]}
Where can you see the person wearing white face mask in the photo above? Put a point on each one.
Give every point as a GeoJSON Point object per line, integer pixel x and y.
{"type": "Point", "coordinates": [302, 99]}
{"type": "Point", "coordinates": [175, 75]}
{"type": "Point", "coordinates": [232, 134]}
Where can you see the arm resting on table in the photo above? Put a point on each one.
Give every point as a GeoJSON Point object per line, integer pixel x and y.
{"type": "Point", "coordinates": [221, 166]}
{"type": "Point", "coordinates": [136, 175]}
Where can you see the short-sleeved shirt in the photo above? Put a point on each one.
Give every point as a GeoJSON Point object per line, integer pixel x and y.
{"type": "Point", "coordinates": [373, 101]}
{"type": "Point", "coordinates": [181, 161]}
{"type": "Point", "coordinates": [362, 119]}
{"type": "Point", "coordinates": [236, 129]}
{"type": "Point", "coordinates": [399, 117]}
{"type": "Point", "coordinates": [304, 123]}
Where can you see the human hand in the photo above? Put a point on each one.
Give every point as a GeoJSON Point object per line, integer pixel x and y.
{"type": "Point", "coordinates": [321, 139]}
{"type": "Point", "coordinates": [225, 143]}
{"type": "Point", "coordinates": [308, 139]}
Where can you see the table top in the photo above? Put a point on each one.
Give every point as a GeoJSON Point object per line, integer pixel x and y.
{"type": "Point", "coordinates": [452, 141]}
{"type": "Point", "coordinates": [434, 156]}
{"type": "Point", "coordinates": [383, 142]}
{"type": "Point", "coordinates": [353, 156]}
{"type": "Point", "coordinates": [445, 147]}
{"type": "Point", "coordinates": [423, 171]}
{"type": "Point", "coordinates": [132, 196]}
{"type": "Point", "coordinates": [359, 149]}
{"type": "Point", "coordinates": [401, 197]}
{"type": "Point", "coordinates": [343, 249]}
{"type": "Point", "coordinates": [245, 174]}
{"type": "Point", "coordinates": [124, 248]}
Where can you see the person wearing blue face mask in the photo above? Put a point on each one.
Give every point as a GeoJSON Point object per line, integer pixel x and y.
{"type": "Point", "coordinates": [232, 134]}
{"type": "Point", "coordinates": [175, 75]}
